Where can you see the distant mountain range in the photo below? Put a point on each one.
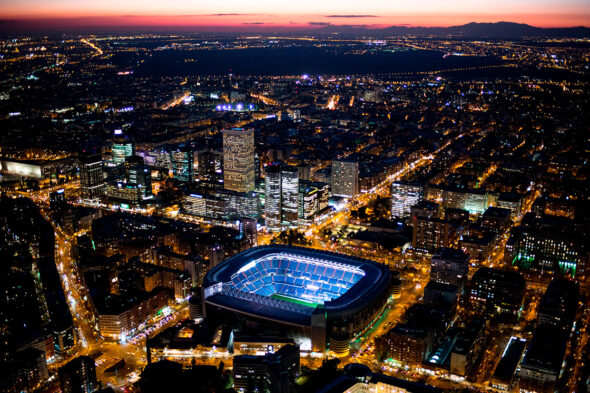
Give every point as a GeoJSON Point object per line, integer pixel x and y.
{"type": "Point", "coordinates": [508, 30]}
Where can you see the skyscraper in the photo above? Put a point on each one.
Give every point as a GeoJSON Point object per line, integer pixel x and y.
{"type": "Point", "coordinates": [345, 178]}
{"type": "Point", "coordinates": [289, 196]}
{"type": "Point", "coordinates": [137, 174]}
{"type": "Point", "coordinates": [122, 147]}
{"type": "Point", "coordinates": [281, 196]}
{"type": "Point", "coordinates": [238, 159]}
{"type": "Point", "coordinates": [272, 197]}
{"type": "Point", "coordinates": [91, 178]}
{"type": "Point", "coordinates": [182, 163]}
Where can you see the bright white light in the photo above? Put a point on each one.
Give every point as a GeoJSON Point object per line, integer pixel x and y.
{"type": "Point", "coordinates": [247, 267]}
{"type": "Point", "coordinates": [305, 344]}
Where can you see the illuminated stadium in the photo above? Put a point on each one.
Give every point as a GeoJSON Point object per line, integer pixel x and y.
{"type": "Point", "coordinates": [324, 298]}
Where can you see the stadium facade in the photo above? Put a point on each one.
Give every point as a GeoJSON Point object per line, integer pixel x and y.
{"type": "Point", "coordinates": [323, 299]}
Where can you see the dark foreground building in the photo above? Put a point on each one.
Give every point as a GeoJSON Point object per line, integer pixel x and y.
{"type": "Point", "coordinates": [78, 376]}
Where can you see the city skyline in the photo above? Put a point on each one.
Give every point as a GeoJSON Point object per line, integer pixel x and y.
{"type": "Point", "coordinates": [310, 197]}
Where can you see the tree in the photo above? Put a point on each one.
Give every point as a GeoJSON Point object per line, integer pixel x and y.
{"type": "Point", "coordinates": [292, 237]}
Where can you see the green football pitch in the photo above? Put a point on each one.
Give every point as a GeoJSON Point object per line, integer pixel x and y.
{"type": "Point", "coordinates": [294, 300]}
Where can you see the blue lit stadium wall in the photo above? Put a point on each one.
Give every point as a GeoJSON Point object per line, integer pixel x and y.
{"type": "Point", "coordinates": [326, 297]}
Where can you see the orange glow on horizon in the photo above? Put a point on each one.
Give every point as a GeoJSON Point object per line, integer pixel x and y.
{"type": "Point", "coordinates": [285, 14]}
{"type": "Point", "coordinates": [292, 21]}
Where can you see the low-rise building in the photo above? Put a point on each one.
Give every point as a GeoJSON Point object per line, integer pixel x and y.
{"type": "Point", "coordinates": [119, 317]}
{"type": "Point", "coordinates": [467, 348]}
{"type": "Point", "coordinates": [273, 372]}
{"type": "Point", "coordinates": [259, 346]}
{"type": "Point", "coordinates": [503, 377]}
{"type": "Point", "coordinates": [496, 291]}
{"type": "Point", "coordinates": [543, 360]}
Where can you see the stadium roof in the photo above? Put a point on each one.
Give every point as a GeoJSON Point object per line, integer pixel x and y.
{"type": "Point", "coordinates": [375, 279]}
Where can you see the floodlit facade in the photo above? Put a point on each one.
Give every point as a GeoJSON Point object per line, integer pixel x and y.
{"type": "Point", "coordinates": [121, 321]}
{"type": "Point", "coordinates": [326, 299]}
{"type": "Point", "coordinates": [238, 160]}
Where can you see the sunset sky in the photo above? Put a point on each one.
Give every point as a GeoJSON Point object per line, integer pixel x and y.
{"type": "Point", "coordinates": [287, 13]}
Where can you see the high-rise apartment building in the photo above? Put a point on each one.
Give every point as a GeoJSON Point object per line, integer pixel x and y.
{"type": "Point", "coordinates": [429, 231]}
{"type": "Point", "coordinates": [345, 178]}
{"type": "Point", "coordinates": [238, 159]}
{"type": "Point", "coordinates": [430, 234]}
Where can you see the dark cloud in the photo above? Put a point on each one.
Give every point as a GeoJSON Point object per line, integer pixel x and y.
{"type": "Point", "coordinates": [364, 26]}
{"type": "Point", "coordinates": [254, 23]}
{"type": "Point", "coordinates": [351, 16]}
{"type": "Point", "coordinates": [319, 24]}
